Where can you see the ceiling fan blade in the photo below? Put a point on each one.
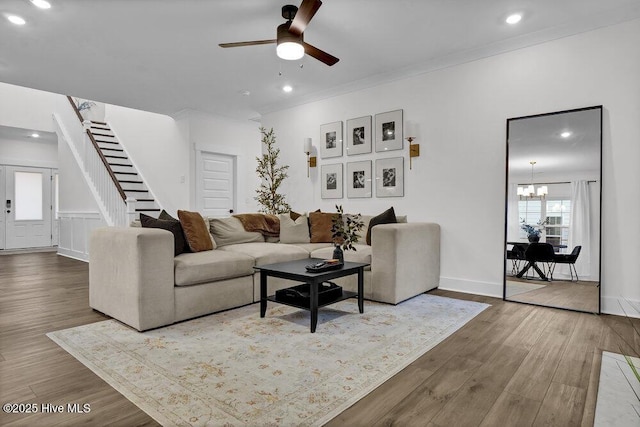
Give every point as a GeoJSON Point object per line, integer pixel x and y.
{"type": "Point", "coordinates": [320, 55]}
{"type": "Point", "coordinates": [305, 12]}
{"type": "Point", "coordinates": [252, 43]}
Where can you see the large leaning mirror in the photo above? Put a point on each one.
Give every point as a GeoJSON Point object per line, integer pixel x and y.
{"type": "Point", "coordinates": [553, 195]}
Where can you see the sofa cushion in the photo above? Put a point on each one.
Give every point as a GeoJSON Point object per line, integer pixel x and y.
{"type": "Point", "coordinates": [320, 227]}
{"type": "Point", "coordinates": [195, 231]}
{"type": "Point", "coordinates": [165, 215]}
{"type": "Point", "coordinates": [294, 231]}
{"type": "Point", "coordinates": [210, 266]}
{"type": "Point", "coordinates": [386, 217]}
{"type": "Point", "coordinates": [361, 254]}
{"type": "Point", "coordinates": [179, 242]}
{"type": "Point", "coordinates": [230, 231]}
{"type": "Point", "coordinates": [268, 253]}
{"type": "Point", "coordinates": [310, 247]}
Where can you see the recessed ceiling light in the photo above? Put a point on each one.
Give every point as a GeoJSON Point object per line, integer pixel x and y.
{"type": "Point", "coordinates": [565, 134]}
{"type": "Point", "coordinates": [15, 19]}
{"type": "Point", "coordinates": [287, 88]}
{"type": "Point", "coordinates": [42, 4]}
{"type": "Point", "coordinates": [513, 19]}
{"type": "Point", "coordinates": [35, 135]}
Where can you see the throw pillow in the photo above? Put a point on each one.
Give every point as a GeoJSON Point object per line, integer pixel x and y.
{"type": "Point", "coordinates": [196, 231]}
{"type": "Point", "coordinates": [230, 231]}
{"type": "Point", "coordinates": [320, 227]}
{"type": "Point", "coordinates": [294, 215]}
{"type": "Point", "coordinates": [179, 243]}
{"type": "Point", "coordinates": [294, 231]}
{"type": "Point", "coordinates": [164, 215]}
{"type": "Point", "coordinates": [386, 217]}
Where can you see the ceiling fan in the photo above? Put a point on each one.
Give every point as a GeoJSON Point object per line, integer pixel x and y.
{"type": "Point", "coordinates": [289, 37]}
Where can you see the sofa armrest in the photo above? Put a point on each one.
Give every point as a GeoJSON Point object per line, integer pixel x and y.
{"type": "Point", "coordinates": [405, 260]}
{"type": "Point", "coordinates": [131, 275]}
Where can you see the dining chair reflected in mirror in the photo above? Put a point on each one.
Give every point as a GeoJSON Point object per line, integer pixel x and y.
{"type": "Point", "coordinates": [516, 254]}
{"type": "Point", "coordinates": [539, 254]}
{"type": "Point", "coordinates": [569, 259]}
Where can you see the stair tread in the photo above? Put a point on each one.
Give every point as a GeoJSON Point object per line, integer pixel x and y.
{"type": "Point", "coordinates": [118, 164]}
{"type": "Point", "coordinates": [102, 134]}
{"type": "Point", "coordinates": [145, 200]}
{"type": "Point", "coordinates": [130, 182]}
{"type": "Point", "coordinates": [112, 149]}
{"type": "Point", "coordinates": [135, 191]}
{"type": "Point", "coordinates": [125, 173]}
{"type": "Point", "coordinates": [107, 142]}
{"type": "Point", "coordinates": [148, 210]}
{"type": "Point", "coordinates": [97, 122]}
{"type": "Point", "coordinates": [111, 156]}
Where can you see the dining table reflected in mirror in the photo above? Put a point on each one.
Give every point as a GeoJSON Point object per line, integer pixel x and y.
{"type": "Point", "coordinates": [553, 205]}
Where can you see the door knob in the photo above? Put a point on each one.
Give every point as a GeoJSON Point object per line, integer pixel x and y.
{"type": "Point", "coordinates": [230, 210]}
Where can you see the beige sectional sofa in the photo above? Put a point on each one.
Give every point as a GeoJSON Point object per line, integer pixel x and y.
{"type": "Point", "coordinates": [136, 279]}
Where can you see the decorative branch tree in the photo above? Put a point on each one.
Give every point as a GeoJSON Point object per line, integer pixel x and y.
{"type": "Point", "coordinates": [272, 175]}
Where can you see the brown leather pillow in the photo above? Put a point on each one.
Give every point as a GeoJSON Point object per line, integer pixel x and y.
{"type": "Point", "coordinates": [320, 227]}
{"type": "Point", "coordinates": [386, 217]}
{"type": "Point", "coordinates": [196, 231]}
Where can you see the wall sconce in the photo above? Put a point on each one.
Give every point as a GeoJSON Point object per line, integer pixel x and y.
{"type": "Point", "coordinates": [414, 149]}
{"type": "Point", "coordinates": [311, 160]}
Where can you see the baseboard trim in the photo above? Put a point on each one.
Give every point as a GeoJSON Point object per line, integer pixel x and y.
{"type": "Point", "coordinates": [475, 287]}
{"type": "Point", "coordinates": [80, 256]}
{"type": "Point", "coordinates": [615, 305]}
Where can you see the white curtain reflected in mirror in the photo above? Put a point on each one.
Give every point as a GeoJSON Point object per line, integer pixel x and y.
{"type": "Point", "coordinates": [553, 194]}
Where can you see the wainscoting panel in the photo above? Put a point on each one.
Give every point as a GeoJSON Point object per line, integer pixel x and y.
{"type": "Point", "coordinates": [75, 229]}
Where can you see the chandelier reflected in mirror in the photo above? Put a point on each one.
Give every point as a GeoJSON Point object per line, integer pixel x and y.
{"type": "Point", "coordinates": [530, 192]}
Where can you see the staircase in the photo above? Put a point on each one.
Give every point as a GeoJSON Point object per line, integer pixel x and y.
{"type": "Point", "coordinates": [122, 169]}
{"type": "Point", "coordinates": [112, 178]}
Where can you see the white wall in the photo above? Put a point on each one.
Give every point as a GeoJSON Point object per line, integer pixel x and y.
{"type": "Point", "coordinates": [38, 153]}
{"type": "Point", "coordinates": [27, 108]}
{"type": "Point", "coordinates": [461, 114]}
{"type": "Point", "coordinates": [220, 135]}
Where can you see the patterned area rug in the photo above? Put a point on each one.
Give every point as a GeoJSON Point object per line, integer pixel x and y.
{"type": "Point", "coordinates": [515, 288]}
{"type": "Point", "coordinates": [234, 368]}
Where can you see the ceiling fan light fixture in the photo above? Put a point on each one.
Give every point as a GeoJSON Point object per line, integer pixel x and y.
{"type": "Point", "coordinates": [290, 51]}
{"type": "Point", "coordinates": [289, 45]}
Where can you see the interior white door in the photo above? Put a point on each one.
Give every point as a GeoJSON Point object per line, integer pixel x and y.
{"type": "Point", "coordinates": [215, 184]}
{"type": "Point", "coordinates": [27, 207]}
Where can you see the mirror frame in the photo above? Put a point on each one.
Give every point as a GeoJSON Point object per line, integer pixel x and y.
{"type": "Point", "coordinates": [506, 195]}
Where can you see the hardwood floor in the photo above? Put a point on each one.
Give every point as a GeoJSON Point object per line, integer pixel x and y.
{"type": "Point", "coordinates": [581, 295]}
{"type": "Point", "coordinates": [513, 365]}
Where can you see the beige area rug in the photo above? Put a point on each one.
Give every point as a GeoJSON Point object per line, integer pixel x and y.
{"type": "Point", "coordinates": [515, 288]}
{"type": "Point", "coordinates": [234, 368]}
{"type": "Point", "coordinates": [618, 390]}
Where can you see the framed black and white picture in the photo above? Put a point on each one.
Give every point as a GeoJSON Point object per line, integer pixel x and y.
{"type": "Point", "coordinates": [389, 131]}
{"type": "Point", "coordinates": [331, 140]}
{"type": "Point", "coordinates": [390, 177]}
{"type": "Point", "coordinates": [331, 181]}
{"type": "Point", "coordinates": [359, 135]}
{"type": "Point", "coordinates": [359, 179]}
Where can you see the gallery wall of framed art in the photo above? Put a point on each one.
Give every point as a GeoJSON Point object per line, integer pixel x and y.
{"type": "Point", "coordinates": [382, 176]}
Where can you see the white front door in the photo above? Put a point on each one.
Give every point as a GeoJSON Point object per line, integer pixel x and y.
{"type": "Point", "coordinates": [27, 207]}
{"type": "Point", "coordinates": [215, 184]}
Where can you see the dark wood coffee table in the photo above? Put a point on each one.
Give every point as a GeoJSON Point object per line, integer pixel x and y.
{"type": "Point", "coordinates": [295, 270]}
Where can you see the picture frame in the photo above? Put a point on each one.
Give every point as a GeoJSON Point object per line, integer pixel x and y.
{"type": "Point", "coordinates": [359, 138]}
{"type": "Point", "coordinates": [331, 181]}
{"type": "Point", "coordinates": [331, 140]}
{"type": "Point", "coordinates": [390, 177]}
{"type": "Point", "coordinates": [359, 179]}
{"type": "Point", "coordinates": [389, 131]}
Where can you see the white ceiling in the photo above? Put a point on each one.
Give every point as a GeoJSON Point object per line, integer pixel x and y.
{"type": "Point", "coordinates": [163, 55]}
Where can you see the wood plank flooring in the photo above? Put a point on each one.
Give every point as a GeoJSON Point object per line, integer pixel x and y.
{"type": "Point", "coordinates": [513, 365]}
{"type": "Point", "coordinates": [580, 295]}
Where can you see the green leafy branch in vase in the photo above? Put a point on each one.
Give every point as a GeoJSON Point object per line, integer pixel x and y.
{"type": "Point", "coordinates": [345, 229]}
{"type": "Point", "coordinates": [272, 176]}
